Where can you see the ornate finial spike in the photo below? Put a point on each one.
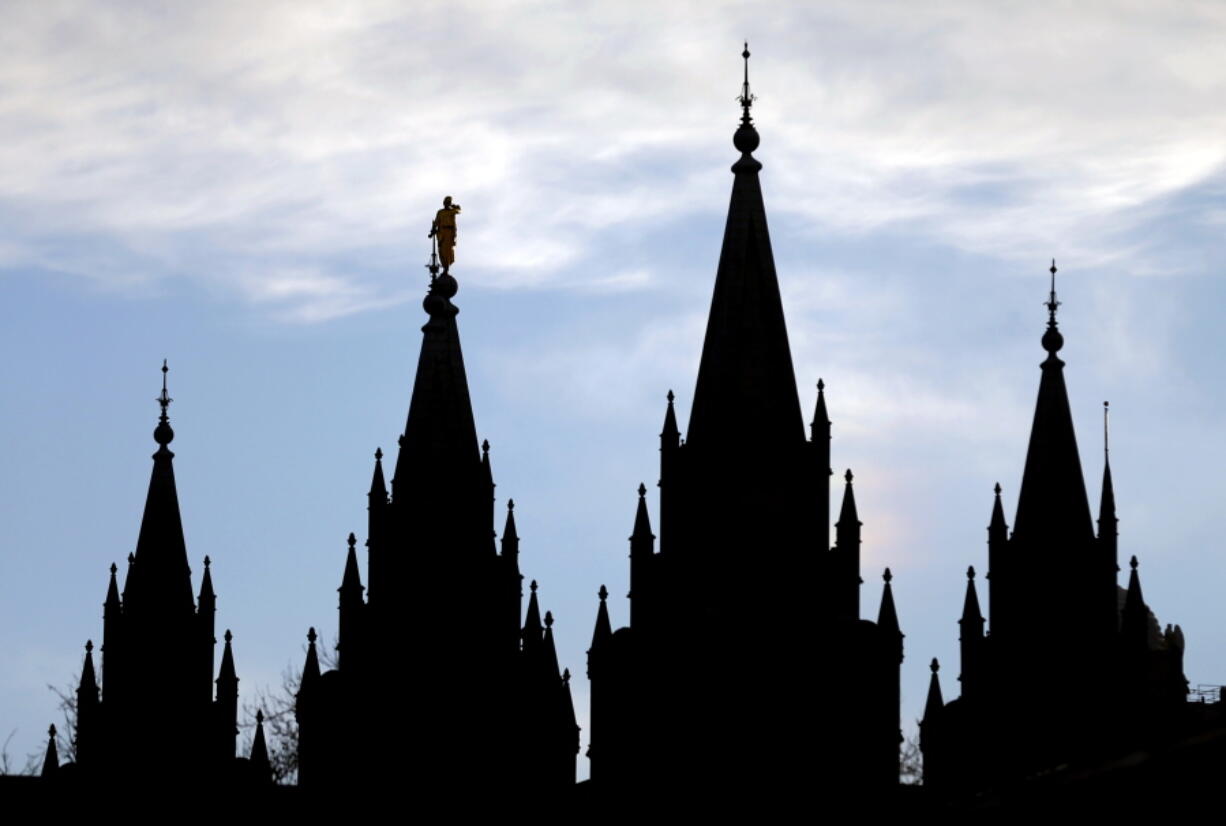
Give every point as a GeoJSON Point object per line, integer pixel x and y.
{"type": "Point", "coordinates": [970, 572]}
{"type": "Point", "coordinates": [114, 568]}
{"type": "Point", "coordinates": [51, 731]}
{"type": "Point", "coordinates": [229, 636]}
{"type": "Point", "coordinates": [1132, 563]}
{"type": "Point", "coordinates": [378, 454]}
{"type": "Point", "coordinates": [848, 476]}
{"type": "Point", "coordinates": [603, 593]}
{"type": "Point", "coordinates": [510, 504]}
{"type": "Point", "coordinates": [1106, 432]}
{"type": "Point", "coordinates": [89, 646]}
{"type": "Point", "coordinates": [207, 561]}
{"type": "Point", "coordinates": [353, 540]}
{"type": "Point", "coordinates": [485, 446]}
{"type": "Point", "coordinates": [887, 576]}
{"type": "Point", "coordinates": [532, 586]}
{"type": "Point", "coordinates": [259, 717]}
{"type": "Point", "coordinates": [131, 557]}
{"type": "Point", "coordinates": [549, 619]}
{"type": "Point", "coordinates": [1052, 303]}
{"type": "Point", "coordinates": [821, 385]}
{"type": "Point", "coordinates": [566, 675]}
{"type": "Point", "coordinates": [642, 490]}
{"type": "Point", "coordinates": [747, 97]}
{"type": "Point", "coordinates": [936, 666]}
{"type": "Point", "coordinates": [670, 397]}
{"type": "Point", "coordinates": [311, 635]}
{"type": "Point", "coordinates": [997, 488]}
{"type": "Point", "coordinates": [164, 400]}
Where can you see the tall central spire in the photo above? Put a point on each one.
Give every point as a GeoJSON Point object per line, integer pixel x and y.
{"type": "Point", "coordinates": [1052, 505]}
{"type": "Point", "coordinates": [440, 433]}
{"type": "Point", "coordinates": [745, 378]}
{"type": "Point", "coordinates": [159, 578]}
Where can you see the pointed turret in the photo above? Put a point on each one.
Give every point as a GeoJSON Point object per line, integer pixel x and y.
{"type": "Point", "coordinates": [88, 707]}
{"type": "Point", "coordinates": [550, 658]}
{"type": "Point", "coordinates": [745, 376]}
{"type": "Point", "coordinates": [642, 550]}
{"type": "Point", "coordinates": [206, 615]}
{"type": "Point", "coordinates": [887, 615]}
{"type": "Point", "coordinates": [604, 629]}
{"type": "Point", "coordinates": [533, 631]}
{"type": "Point", "coordinates": [352, 611]}
{"type": "Point", "coordinates": [310, 715]}
{"type": "Point", "coordinates": [845, 557]}
{"type": "Point", "coordinates": [998, 575]}
{"type": "Point", "coordinates": [261, 766]}
{"type": "Point", "coordinates": [971, 638]}
{"type": "Point", "coordinates": [159, 579]}
{"type": "Point", "coordinates": [935, 702]}
{"type": "Point", "coordinates": [670, 436]}
{"type": "Point", "coordinates": [819, 431]}
{"type": "Point", "coordinates": [112, 619]}
{"type": "Point", "coordinates": [376, 532]}
{"type": "Point", "coordinates": [1134, 621]}
{"type": "Point", "coordinates": [310, 668]}
{"type": "Point", "coordinates": [51, 760]}
{"type": "Point", "coordinates": [227, 702]}
{"type": "Point", "coordinates": [512, 592]}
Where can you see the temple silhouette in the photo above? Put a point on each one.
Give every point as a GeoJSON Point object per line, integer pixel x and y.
{"type": "Point", "coordinates": [746, 674]}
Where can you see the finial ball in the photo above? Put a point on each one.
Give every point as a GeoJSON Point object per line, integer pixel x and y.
{"type": "Point", "coordinates": [1053, 341]}
{"type": "Point", "coordinates": [746, 138]}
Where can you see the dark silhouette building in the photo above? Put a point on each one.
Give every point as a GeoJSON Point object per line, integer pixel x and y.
{"type": "Point", "coordinates": [158, 660]}
{"type": "Point", "coordinates": [746, 664]}
{"type": "Point", "coordinates": [438, 640]}
{"type": "Point", "coordinates": [1071, 670]}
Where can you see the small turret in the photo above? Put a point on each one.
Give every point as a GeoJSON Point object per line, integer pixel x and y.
{"type": "Point", "coordinates": [845, 560]}
{"type": "Point", "coordinates": [227, 702]}
{"type": "Point", "coordinates": [51, 760]}
{"type": "Point", "coordinates": [971, 638]}
{"type": "Point", "coordinates": [261, 766]}
{"type": "Point", "coordinates": [642, 550]}
{"type": "Point", "coordinates": [352, 612]}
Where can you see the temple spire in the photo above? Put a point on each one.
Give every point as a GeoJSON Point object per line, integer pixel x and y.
{"type": "Point", "coordinates": [745, 376]}
{"type": "Point", "coordinates": [159, 578]}
{"type": "Point", "coordinates": [1053, 510]}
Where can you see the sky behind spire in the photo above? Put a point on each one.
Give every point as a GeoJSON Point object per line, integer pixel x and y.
{"type": "Point", "coordinates": [247, 191]}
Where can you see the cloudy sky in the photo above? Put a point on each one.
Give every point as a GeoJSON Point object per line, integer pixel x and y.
{"type": "Point", "coordinates": [245, 189]}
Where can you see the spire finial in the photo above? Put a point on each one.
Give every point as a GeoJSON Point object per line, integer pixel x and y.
{"type": "Point", "coordinates": [887, 576]}
{"type": "Point", "coordinates": [848, 476]}
{"type": "Point", "coordinates": [114, 568]}
{"type": "Point", "coordinates": [51, 731]}
{"type": "Point", "coordinates": [1106, 431]}
{"type": "Point", "coordinates": [671, 397]}
{"type": "Point", "coordinates": [89, 646]}
{"type": "Point", "coordinates": [510, 504]}
{"type": "Point", "coordinates": [353, 540]}
{"type": "Point", "coordinates": [642, 490]}
{"type": "Point", "coordinates": [228, 636]}
{"type": "Point", "coordinates": [1132, 563]}
{"type": "Point", "coordinates": [821, 385]}
{"type": "Point", "coordinates": [259, 717]}
{"type": "Point", "coordinates": [163, 434]}
{"type": "Point", "coordinates": [207, 561]}
{"type": "Point", "coordinates": [746, 137]}
{"type": "Point", "coordinates": [566, 675]}
{"type": "Point", "coordinates": [549, 619]}
{"type": "Point", "coordinates": [311, 635]}
{"type": "Point", "coordinates": [970, 572]}
{"type": "Point", "coordinates": [532, 586]}
{"type": "Point", "coordinates": [997, 488]}
{"type": "Point", "coordinates": [935, 666]}
{"type": "Point", "coordinates": [747, 97]}
{"type": "Point", "coordinates": [378, 454]}
{"type": "Point", "coordinates": [485, 445]}
{"type": "Point", "coordinates": [603, 593]}
{"type": "Point", "coordinates": [1052, 340]}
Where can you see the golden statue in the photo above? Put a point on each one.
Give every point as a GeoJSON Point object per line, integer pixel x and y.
{"type": "Point", "coordinates": [444, 229]}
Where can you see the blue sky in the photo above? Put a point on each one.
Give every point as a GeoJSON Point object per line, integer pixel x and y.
{"type": "Point", "coordinates": [245, 190]}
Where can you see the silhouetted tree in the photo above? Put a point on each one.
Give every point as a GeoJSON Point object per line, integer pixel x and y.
{"type": "Point", "coordinates": [911, 762]}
